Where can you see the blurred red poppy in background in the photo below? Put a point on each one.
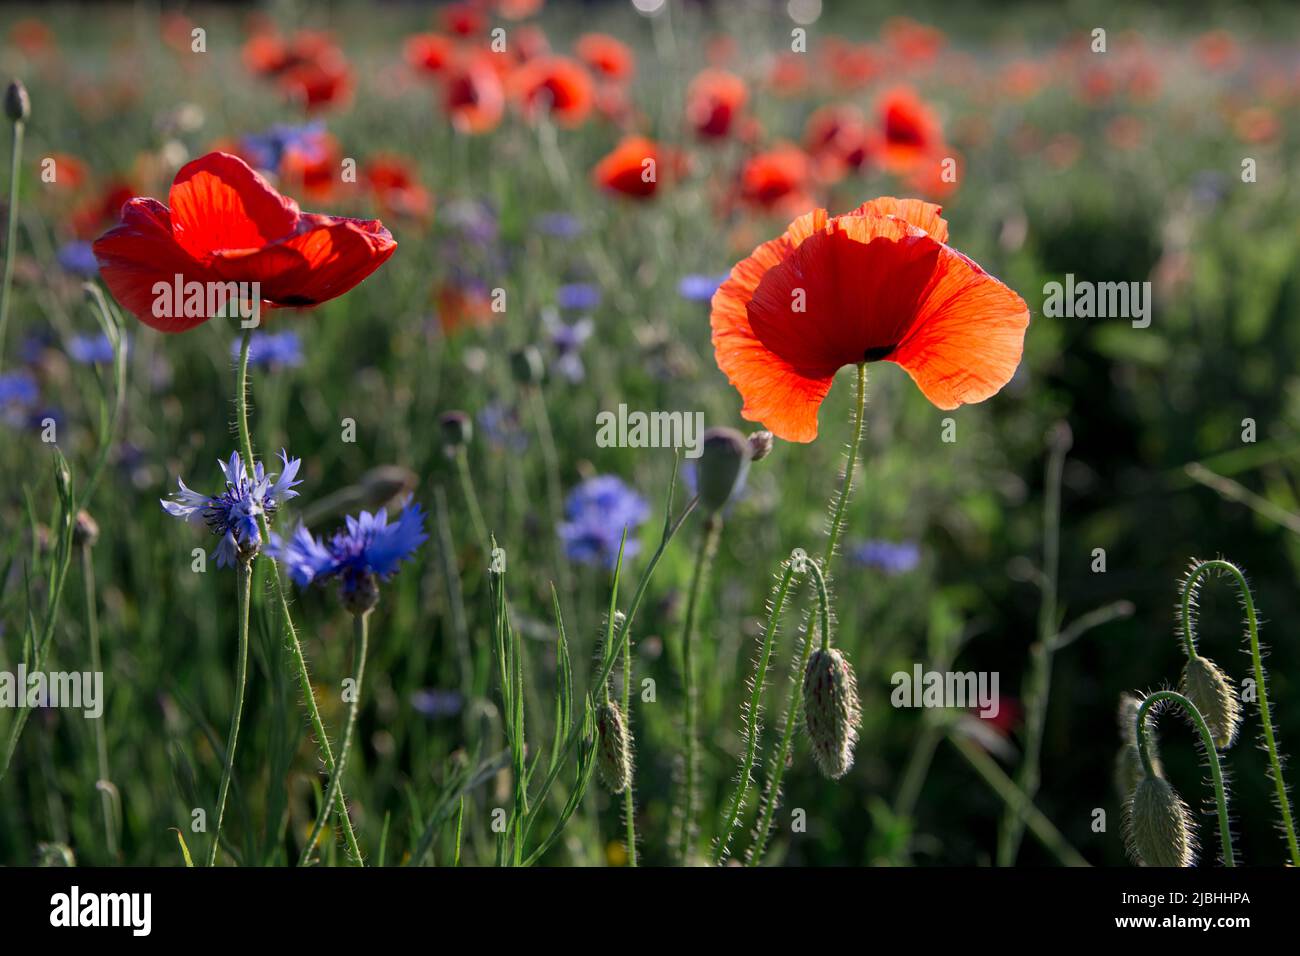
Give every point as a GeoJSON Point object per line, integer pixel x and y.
{"type": "Point", "coordinates": [103, 208]}
{"type": "Point", "coordinates": [714, 101]}
{"type": "Point", "coordinates": [632, 168]}
{"type": "Point", "coordinates": [473, 95]}
{"type": "Point", "coordinates": [556, 85]}
{"type": "Point", "coordinates": [429, 53]}
{"type": "Point", "coordinates": [876, 284]}
{"type": "Point", "coordinates": [606, 56]}
{"type": "Point", "coordinates": [909, 128]}
{"type": "Point", "coordinates": [776, 180]}
{"type": "Point", "coordinates": [227, 224]}
{"type": "Point", "coordinates": [396, 187]}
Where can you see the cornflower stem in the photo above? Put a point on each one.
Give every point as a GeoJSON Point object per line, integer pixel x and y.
{"type": "Point", "coordinates": [103, 783]}
{"type": "Point", "coordinates": [361, 641]}
{"type": "Point", "coordinates": [243, 593]}
{"type": "Point", "coordinates": [1212, 756]}
{"type": "Point", "coordinates": [751, 716]}
{"type": "Point", "coordinates": [1257, 665]}
{"type": "Point", "coordinates": [471, 501]}
{"type": "Point", "coordinates": [629, 800]}
{"type": "Point", "coordinates": [793, 706]}
{"type": "Point", "coordinates": [304, 676]}
{"type": "Point", "coordinates": [708, 548]}
{"type": "Point", "coordinates": [11, 235]}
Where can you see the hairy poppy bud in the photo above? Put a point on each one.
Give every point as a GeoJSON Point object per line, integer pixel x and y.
{"type": "Point", "coordinates": [1206, 686]}
{"type": "Point", "coordinates": [614, 755]}
{"type": "Point", "coordinates": [1158, 825]}
{"type": "Point", "coordinates": [760, 445]}
{"type": "Point", "coordinates": [18, 105]}
{"type": "Point", "coordinates": [526, 365]}
{"type": "Point", "coordinates": [457, 429]}
{"type": "Point", "coordinates": [831, 712]}
{"type": "Point", "coordinates": [723, 463]}
{"type": "Point", "coordinates": [1128, 762]}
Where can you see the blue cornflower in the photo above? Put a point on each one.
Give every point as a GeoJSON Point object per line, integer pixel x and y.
{"type": "Point", "coordinates": [577, 296]}
{"type": "Point", "coordinates": [887, 556]}
{"type": "Point", "coordinates": [501, 427]}
{"type": "Point", "coordinates": [558, 225]}
{"type": "Point", "coordinates": [567, 340]}
{"type": "Point", "coordinates": [434, 702]}
{"type": "Point", "coordinates": [18, 396]}
{"type": "Point", "coordinates": [232, 515]}
{"type": "Point", "coordinates": [597, 511]}
{"type": "Point", "coordinates": [90, 349]}
{"type": "Point", "coordinates": [699, 288]}
{"type": "Point", "coordinates": [366, 549]}
{"type": "Point", "coordinates": [78, 258]}
{"type": "Point", "coordinates": [267, 150]}
{"type": "Point", "coordinates": [474, 219]}
{"type": "Point", "coordinates": [271, 350]}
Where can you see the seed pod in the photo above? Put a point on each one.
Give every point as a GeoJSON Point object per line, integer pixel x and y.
{"type": "Point", "coordinates": [1206, 686]}
{"type": "Point", "coordinates": [760, 445]}
{"type": "Point", "coordinates": [614, 756]}
{"type": "Point", "coordinates": [457, 429]}
{"type": "Point", "coordinates": [724, 460]}
{"type": "Point", "coordinates": [831, 711]}
{"type": "Point", "coordinates": [1158, 825]}
{"type": "Point", "coordinates": [18, 104]}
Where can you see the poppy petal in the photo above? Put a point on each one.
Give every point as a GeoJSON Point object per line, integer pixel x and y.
{"type": "Point", "coordinates": [924, 215]}
{"type": "Point", "coordinates": [218, 202]}
{"type": "Point", "coordinates": [141, 252]}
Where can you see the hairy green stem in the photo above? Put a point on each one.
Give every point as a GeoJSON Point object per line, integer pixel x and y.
{"type": "Point", "coordinates": [1212, 755]}
{"type": "Point", "coordinates": [244, 593]}
{"type": "Point", "coordinates": [708, 547]}
{"type": "Point", "coordinates": [842, 502]}
{"type": "Point", "coordinates": [291, 633]}
{"type": "Point", "coordinates": [360, 640]}
{"type": "Point", "coordinates": [629, 799]}
{"type": "Point", "coordinates": [1257, 664]}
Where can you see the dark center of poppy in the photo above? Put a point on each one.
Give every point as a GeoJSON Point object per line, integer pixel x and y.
{"type": "Point", "coordinates": [878, 352]}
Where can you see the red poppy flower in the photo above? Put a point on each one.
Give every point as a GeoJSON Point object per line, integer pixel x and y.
{"type": "Point", "coordinates": [430, 53]}
{"type": "Point", "coordinates": [606, 56]}
{"type": "Point", "coordinates": [776, 180]}
{"type": "Point", "coordinates": [396, 188]}
{"type": "Point", "coordinates": [226, 224]}
{"type": "Point", "coordinates": [910, 129]}
{"type": "Point", "coordinates": [555, 84]}
{"type": "Point", "coordinates": [875, 284]}
{"type": "Point", "coordinates": [713, 101]}
{"type": "Point", "coordinates": [839, 140]}
{"type": "Point", "coordinates": [474, 96]}
{"type": "Point", "coordinates": [462, 19]}
{"type": "Point", "coordinates": [631, 169]}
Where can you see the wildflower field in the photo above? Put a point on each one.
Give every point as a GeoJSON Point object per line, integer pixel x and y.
{"type": "Point", "coordinates": [649, 433]}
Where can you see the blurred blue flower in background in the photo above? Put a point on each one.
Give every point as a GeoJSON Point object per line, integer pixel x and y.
{"type": "Point", "coordinates": [577, 296]}
{"type": "Point", "coordinates": [597, 511]}
{"type": "Point", "coordinates": [271, 350]}
{"type": "Point", "coordinates": [78, 258]}
{"type": "Point", "coordinates": [699, 288]}
{"type": "Point", "coordinates": [567, 341]}
{"type": "Point", "coordinates": [90, 349]}
{"type": "Point", "coordinates": [886, 556]}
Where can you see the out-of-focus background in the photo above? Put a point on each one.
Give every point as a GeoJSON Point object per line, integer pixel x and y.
{"type": "Point", "coordinates": [1167, 158]}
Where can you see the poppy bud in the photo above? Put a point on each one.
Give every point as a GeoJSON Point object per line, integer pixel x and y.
{"type": "Point", "coordinates": [85, 530]}
{"type": "Point", "coordinates": [760, 445]}
{"type": "Point", "coordinates": [831, 712]}
{"type": "Point", "coordinates": [1206, 686]}
{"type": "Point", "coordinates": [1158, 825]}
{"type": "Point", "coordinates": [526, 365]}
{"type": "Point", "coordinates": [457, 429]}
{"type": "Point", "coordinates": [724, 460]}
{"type": "Point", "coordinates": [1128, 762]}
{"type": "Point", "coordinates": [18, 105]}
{"type": "Point", "coordinates": [614, 755]}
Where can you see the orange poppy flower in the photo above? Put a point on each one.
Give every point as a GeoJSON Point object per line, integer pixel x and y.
{"type": "Point", "coordinates": [396, 188]}
{"type": "Point", "coordinates": [633, 168]}
{"type": "Point", "coordinates": [474, 96]}
{"type": "Point", "coordinates": [606, 56]}
{"type": "Point", "coordinates": [429, 53]}
{"type": "Point", "coordinates": [555, 84]}
{"type": "Point", "coordinates": [876, 284]}
{"type": "Point", "coordinates": [776, 180]}
{"type": "Point", "coordinates": [713, 101]}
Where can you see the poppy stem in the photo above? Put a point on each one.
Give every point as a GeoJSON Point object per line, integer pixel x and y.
{"type": "Point", "coordinates": [1211, 756]}
{"type": "Point", "coordinates": [361, 639]}
{"type": "Point", "coordinates": [629, 799]}
{"type": "Point", "coordinates": [709, 536]}
{"type": "Point", "coordinates": [11, 236]}
{"type": "Point", "coordinates": [244, 593]}
{"type": "Point", "coordinates": [841, 502]}
{"type": "Point", "coordinates": [304, 676]}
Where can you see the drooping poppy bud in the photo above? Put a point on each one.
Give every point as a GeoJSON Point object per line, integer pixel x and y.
{"type": "Point", "coordinates": [831, 711]}
{"type": "Point", "coordinates": [1158, 825]}
{"type": "Point", "coordinates": [1206, 686]}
